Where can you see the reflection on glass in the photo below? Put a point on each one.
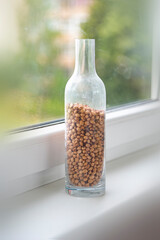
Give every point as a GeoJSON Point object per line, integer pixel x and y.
{"type": "Point", "coordinates": [37, 53]}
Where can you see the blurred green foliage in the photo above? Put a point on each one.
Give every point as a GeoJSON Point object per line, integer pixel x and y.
{"type": "Point", "coordinates": [32, 81]}
{"type": "Point", "coordinates": [123, 48]}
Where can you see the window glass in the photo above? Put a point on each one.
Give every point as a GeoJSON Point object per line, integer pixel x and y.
{"type": "Point", "coordinates": [37, 53]}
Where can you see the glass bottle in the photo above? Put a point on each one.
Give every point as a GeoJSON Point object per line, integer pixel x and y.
{"type": "Point", "coordinates": [85, 106]}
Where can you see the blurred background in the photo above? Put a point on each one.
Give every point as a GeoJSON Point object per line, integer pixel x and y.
{"type": "Point", "coordinates": [37, 54]}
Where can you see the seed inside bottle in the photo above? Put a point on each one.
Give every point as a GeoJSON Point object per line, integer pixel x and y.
{"type": "Point", "coordinates": [84, 144]}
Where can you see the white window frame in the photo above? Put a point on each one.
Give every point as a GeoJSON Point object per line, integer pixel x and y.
{"type": "Point", "coordinates": [36, 157]}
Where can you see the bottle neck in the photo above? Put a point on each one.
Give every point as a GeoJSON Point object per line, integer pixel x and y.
{"type": "Point", "coordinates": [85, 56]}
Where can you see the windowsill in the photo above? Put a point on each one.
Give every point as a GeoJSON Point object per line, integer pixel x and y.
{"type": "Point", "coordinates": [48, 212]}
{"type": "Point", "coordinates": [36, 157]}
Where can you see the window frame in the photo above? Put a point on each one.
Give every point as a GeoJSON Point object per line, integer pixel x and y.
{"type": "Point", "coordinates": [36, 157]}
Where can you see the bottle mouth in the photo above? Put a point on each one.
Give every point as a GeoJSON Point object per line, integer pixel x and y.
{"type": "Point", "coordinates": [85, 55]}
{"type": "Point", "coordinates": [85, 40]}
{"type": "Point", "coordinates": [87, 43]}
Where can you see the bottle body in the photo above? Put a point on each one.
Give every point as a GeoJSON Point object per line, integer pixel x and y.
{"type": "Point", "coordinates": [85, 105]}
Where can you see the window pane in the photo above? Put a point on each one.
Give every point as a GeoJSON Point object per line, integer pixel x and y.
{"type": "Point", "coordinates": [37, 53]}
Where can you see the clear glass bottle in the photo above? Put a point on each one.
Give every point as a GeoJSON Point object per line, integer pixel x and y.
{"type": "Point", "coordinates": [85, 105]}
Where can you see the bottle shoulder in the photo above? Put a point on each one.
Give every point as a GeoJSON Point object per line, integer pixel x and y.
{"type": "Point", "coordinates": [86, 89]}
{"type": "Point", "coordinates": [85, 83]}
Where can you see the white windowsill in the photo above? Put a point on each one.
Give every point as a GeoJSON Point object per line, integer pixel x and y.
{"type": "Point", "coordinates": [48, 212]}
{"type": "Point", "coordinates": [36, 157]}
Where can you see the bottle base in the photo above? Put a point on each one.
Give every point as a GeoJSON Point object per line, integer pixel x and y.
{"type": "Point", "coordinates": [85, 192]}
